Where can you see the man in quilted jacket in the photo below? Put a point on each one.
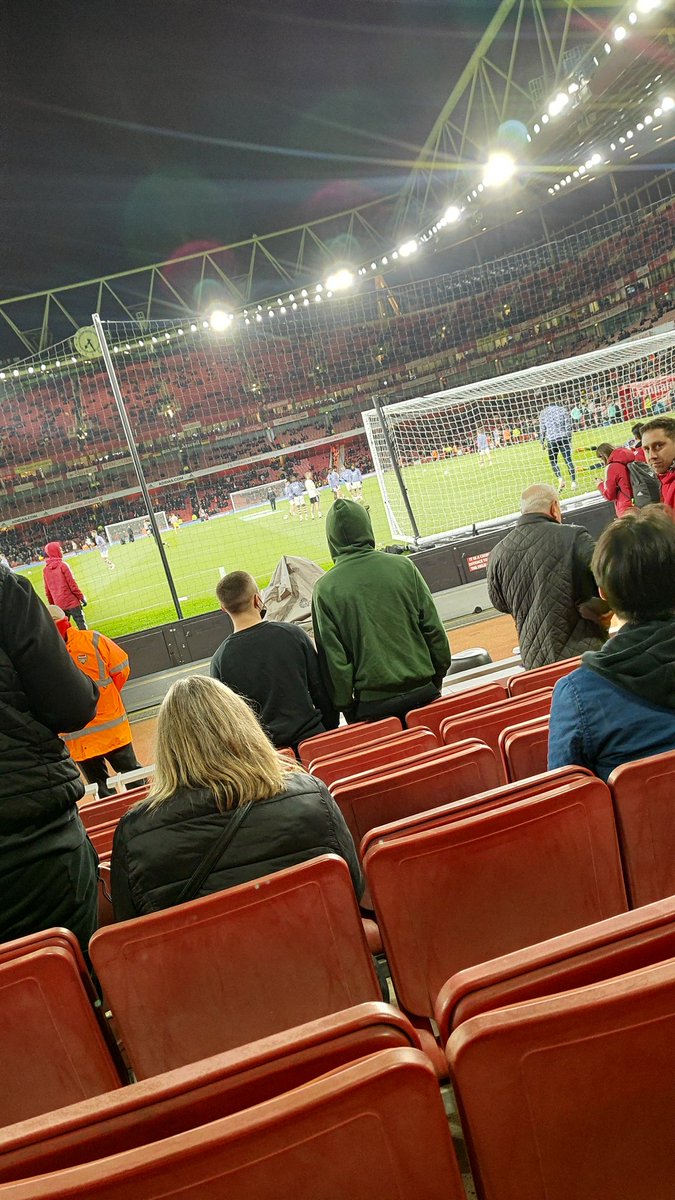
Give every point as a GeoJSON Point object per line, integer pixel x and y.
{"type": "Point", "coordinates": [540, 572]}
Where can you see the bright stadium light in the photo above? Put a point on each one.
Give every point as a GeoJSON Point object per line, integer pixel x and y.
{"type": "Point", "coordinates": [667, 103]}
{"type": "Point", "coordinates": [452, 214]}
{"type": "Point", "coordinates": [619, 33]}
{"type": "Point", "coordinates": [220, 320]}
{"type": "Point", "coordinates": [499, 169]}
{"type": "Point", "coordinates": [408, 248]}
{"type": "Point", "coordinates": [340, 280]}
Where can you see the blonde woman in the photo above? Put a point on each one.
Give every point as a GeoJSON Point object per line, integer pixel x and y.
{"type": "Point", "coordinates": [217, 772]}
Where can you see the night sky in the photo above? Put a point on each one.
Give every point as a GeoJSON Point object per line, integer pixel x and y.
{"type": "Point", "coordinates": [118, 120]}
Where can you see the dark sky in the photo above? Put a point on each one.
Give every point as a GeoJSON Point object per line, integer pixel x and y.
{"type": "Point", "coordinates": [117, 119]}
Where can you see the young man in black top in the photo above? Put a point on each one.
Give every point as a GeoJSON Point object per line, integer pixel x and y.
{"type": "Point", "coordinates": [272, 664]}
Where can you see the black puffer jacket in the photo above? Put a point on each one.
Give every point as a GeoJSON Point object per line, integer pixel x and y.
{"type": "Point", "coordinates": [41, 692]}
{"type": "Point", "coordinates": [541, 573]}
{"type": "Point", "coordinates": [155, 851]}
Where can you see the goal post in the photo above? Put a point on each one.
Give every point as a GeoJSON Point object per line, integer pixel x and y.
{"type": "Point", "coordinates": [136, 525]}
{"type": "Point", "coordinates": [462, 457]}
{"type": "Point", "coordinates": [253, 497]}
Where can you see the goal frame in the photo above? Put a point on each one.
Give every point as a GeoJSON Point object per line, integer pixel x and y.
{"type": "Point", "coordinates": [138, 522]}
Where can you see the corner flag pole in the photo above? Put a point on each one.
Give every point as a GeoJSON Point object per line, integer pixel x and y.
{"type": "Point", "coordinates": [128, 433]}
{"type": "Point", "coordinates": [395, 465]}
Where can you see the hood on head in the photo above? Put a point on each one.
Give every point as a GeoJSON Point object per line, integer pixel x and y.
{"type": "Point", "coordinates": [348, 529]}
{"type": "Point", "coordinates": [622, 455]}
{"type": "Point", "coordinates": [641, 659]}
{"type": "Point", "coordinates": [53, 550]}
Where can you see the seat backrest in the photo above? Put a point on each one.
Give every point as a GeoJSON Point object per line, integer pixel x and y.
{"type": "Point", "coordinates": [52, 1050]}
{"type": "Point", "coordinates": [588, 955]}
{"type": "Point", "coordinates": [237, 965]}
{"type": "Point", "coordinates": [374, 1128]}
{"type": "Point", "coordinates": [335, 741]}
{"type": "Point", "coordinates": [56, 937]}
{"type": "Point", "coordinates": [200, 1092]}
{"type": "Point", "coordinates": [542, 677]}
{"type": "Point", "coordinates": [572, 1095]}
{"type": "Point", "coordinates": [450, 774]}
{"type": "Point", "coordinates": [487, 723]}
{"type": "Point", "coordinates": [644, 806]}
{"type": "Point", "coordinates": [493, 882]}
{"type": "Point", "coordinates": [431, 715]}
{"type": "Point", "coordinates": [102, 836]}
{"type": "Point", "coordinates": [384, 752]}
{"type": "Point", "coordinates": [101, 812]}
{"type": "Point", "coordinates": [497, 797]}
{"type": "Point", "coordinates": [524, 748]}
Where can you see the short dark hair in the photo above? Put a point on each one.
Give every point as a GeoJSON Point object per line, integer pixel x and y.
{"type": "Point", "coordinates": [637, 428]}
{"type": "Point", "coordinates": [234, 591]}
{"type": "Point", "coordinates": [634, 564]}
{"type": "Point", "coordinates": [665, 423]}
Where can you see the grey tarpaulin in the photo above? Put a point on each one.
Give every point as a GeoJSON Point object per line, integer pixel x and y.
{"type": "Point", "coordinates": [288, 595]}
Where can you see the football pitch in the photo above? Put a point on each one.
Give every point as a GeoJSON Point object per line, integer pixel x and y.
{"type": "Point", "coordinates": [447, 494]}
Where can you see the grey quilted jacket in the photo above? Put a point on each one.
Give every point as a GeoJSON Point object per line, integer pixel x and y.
{"type": "Point", "coordinates": [540, 572]}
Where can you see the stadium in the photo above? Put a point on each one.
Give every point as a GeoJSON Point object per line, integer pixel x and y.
{"type": "Point", "coordinates": [518, 255]}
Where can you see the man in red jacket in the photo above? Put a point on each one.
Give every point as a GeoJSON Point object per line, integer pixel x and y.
{"type": "Point", "coordinates": [60, 585]}
{"type": "Point", "coordinates": [658, 443]}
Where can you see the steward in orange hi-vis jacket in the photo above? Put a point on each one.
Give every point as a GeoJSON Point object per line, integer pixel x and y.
{"type": "Point", "coordinates": [108, 736]}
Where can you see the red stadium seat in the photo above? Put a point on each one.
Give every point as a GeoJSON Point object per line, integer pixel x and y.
{"type": "Point", "coordinates": [572, 1095]}
{"type": "Point", "coordinates": [385, 752]}
{"type": "Point", "coordinates": [101, 837]}
{"type": "Point", "coordinates": [101, 812]}
{"type": "Point", "coordinates": [374, 1128]}
{"type": "Point", "coordinates": [492, 882]}
{"type": "Point", "coordinates": [61, 939]}
{"type": "Point", "coordinates": [589, 955]}
{"type": "Point", "coordinates": [542, 677]}
{"type": "Point", "coordinates": [524, 748]}
{"type": "Point", "coordinates": [235, 966]}
{"type": "Point", "coordinates": [431, 715]}
{"type": "Point", "coordinates": [201, 1092]}
{"type": "Point", "coordinates": [52, 1049]}
{"type": "Point", "coordinates": [335, 741]}
{"type": "Point", "coordinates": [644, 805]}
{"type": "Point", "coordinates": [487, 723]}
{"type": "Point", "coordinates": [105, 908]}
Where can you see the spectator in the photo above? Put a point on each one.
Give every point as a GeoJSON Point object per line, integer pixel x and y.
{"type": "Point", "coordinates": [635, 443]}
{"type": "Point", "coordinates": [214, 765]}
{"type": "Point", "coordinates": [108, 735]}
{"type": "Point", "coordinates": [382, 646]}
{"type": "Point", "coordinates": [658, 443]}
{"type": "Point", "coordinates": [61, 587]}
{"type": "Point", "coordinates": [271, 664]}
{"type": "Point", "coordinates": [540, 572]}
{"type": "Point", "coordinates": [616, 485]}
{"type": "Point", "coordinates": [48, 866]}
{"type": "Point", "coordinates": [620, 704]}
{"type": "Point", "coordinates": [555, 433]}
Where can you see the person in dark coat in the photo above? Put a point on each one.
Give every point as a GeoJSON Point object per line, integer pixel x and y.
{"type": "Point", "coordinates": [48, 867]}
{"type": "Point", "coordinates": [213, 757]}
{"type": "Point", "coordinates": [540, 572]}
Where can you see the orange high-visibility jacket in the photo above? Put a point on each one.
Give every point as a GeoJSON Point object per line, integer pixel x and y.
{"type": "Point", "coordinates": [108, 665]}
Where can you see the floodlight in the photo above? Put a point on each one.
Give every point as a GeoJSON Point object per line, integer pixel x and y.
{"type": "Point", "coordinates": [220, 320]}
{"type": "Point", "coordinates": [667, 103]}
{"type": "Point", "coordinates": [340, 280]}
{"type": "Point", "coordinates": [499, 169]}
{"type": "Point", "coordinates": [408, 248]}
{"type": "Point", "coordinates": [452, 214]}
{"type": "Point", "coordinates": [619, 33]}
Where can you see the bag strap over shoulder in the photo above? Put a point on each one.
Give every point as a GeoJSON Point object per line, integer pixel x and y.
{"type": "Point", "coordinates": [220, 845]}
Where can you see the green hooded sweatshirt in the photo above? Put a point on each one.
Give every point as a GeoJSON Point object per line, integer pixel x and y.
{"type": "Point", "coordinates": [377, 629]}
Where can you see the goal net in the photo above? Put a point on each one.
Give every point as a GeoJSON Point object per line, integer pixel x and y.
{"type": "Point", "coordinates": [137, 526]}
{"type": "Point", "coordinates": [253, 497]}
{"type": "Point", "coordinates": [466, 454]}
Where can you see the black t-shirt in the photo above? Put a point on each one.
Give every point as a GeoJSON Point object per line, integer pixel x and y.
{"type": "Point", "coordinates": [274, 666]}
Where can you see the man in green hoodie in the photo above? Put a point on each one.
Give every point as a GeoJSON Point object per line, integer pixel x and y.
{"type": "Point", "coordinates": [382, 647]}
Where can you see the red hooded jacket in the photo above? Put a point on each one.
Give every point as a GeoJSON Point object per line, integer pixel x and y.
{"type": "Point", "coordinates": [60, 586]}
{"type": "Point", "coordinates": [667, 482]}
{"type": "Point", "coordinates": [617, 486]}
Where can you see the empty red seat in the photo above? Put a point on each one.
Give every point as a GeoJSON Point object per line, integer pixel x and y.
{"type": "Point", "coordinates": [101, 812]}
{"type": "Point", "coordinates": [644, 805]}
{"type": "Point", "coordinates": [375, 1128]}
{"type": "Point", "coordinates": [193, 1095]}
{"type": "Point", "coordinates": [384, 752]}
{"type": "Point", "coordinates": [524, 748]}
{"type": "Point", "coordinates": [572, 1095]}
{"type": "Point", "coordinates": [335, 741]}
{"type": "Point", "coordinates": [431, 715]}
{"type": "Point", "coordinates": [230, 968]}
{"type": "Point", "coordinates": [101, 837]}
{"type": "Point", "coordinates": [487, 723]}
{"type": "Point", "coordinates": [588, 955]}
{"type": "Point", "coordinates": [492, 882]}
{"type": "Point", "coordinates": [542, 677]}
{"type": "Point", "coordinates": [52, 1049]}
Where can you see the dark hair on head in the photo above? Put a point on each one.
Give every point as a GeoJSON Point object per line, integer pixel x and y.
{"type": "Point", "coordinates": [604, 450]}
{"type": "Point", "coordinates": [637, 428]}
{"type": "Point", "coordinates": [667, 424]}
{"type": "Point", "coordinates": [235, 590]}
{"type": "Point", "coordinates": [634, 564]}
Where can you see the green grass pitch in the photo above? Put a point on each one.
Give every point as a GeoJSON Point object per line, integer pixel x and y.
{"type": "Point", "coordinates": [446, 494]}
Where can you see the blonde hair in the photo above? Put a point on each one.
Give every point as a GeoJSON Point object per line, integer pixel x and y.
{"type": "Point", "coordinates": [208, 737]}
